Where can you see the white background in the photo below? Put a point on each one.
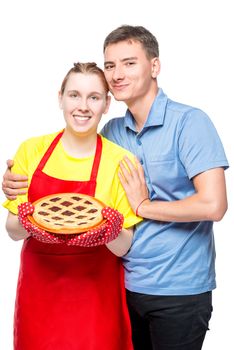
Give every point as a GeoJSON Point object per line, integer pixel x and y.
{"type": "Point", "coordinates": [40, 40]}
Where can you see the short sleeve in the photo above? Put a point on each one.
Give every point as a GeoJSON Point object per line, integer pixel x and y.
{"type": "Point", "coordinates": [200, 147]}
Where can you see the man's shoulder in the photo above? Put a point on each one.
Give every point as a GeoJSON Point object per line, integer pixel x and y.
{"type": "Point", "coordinates": [114, 130]}
{"type": "Point", "coordinates": [183, 109]}
{"type": "Point", "coordinates": [182, 114]}
{"type": "Point", "coordinates": [180, 107]}
{"type": "Point", "coordinates": [113, 123]}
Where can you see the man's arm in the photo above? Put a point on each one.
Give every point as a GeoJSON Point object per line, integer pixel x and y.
{"type": "Point", "coordinates": [208, 203]}
{"type": "Point", "coordinates": [13, 184]}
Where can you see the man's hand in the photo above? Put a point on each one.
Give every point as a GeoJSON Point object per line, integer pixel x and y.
{"type": "Point", "coordinates": [133, 181]}
{"type": "Point", "coordinates": [13, 184]}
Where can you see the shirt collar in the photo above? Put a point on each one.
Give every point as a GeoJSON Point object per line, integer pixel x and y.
{"type": "Point", "coordinates": [156, 114]}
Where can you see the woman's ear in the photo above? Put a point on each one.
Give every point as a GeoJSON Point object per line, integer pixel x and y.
{"type": "Point", "coordinates": [108, 101]}
{"type": "Point", "coordinates": [156, 66]}
{"type": "Point", "coordinates": [60, 99]}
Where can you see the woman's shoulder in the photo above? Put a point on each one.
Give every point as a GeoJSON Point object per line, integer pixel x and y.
{"type": "Point", "coordinates": [37, 144]}
{"type": "Point", "coordinates": [40, 140]}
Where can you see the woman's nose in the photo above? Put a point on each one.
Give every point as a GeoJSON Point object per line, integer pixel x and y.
{"type": "Point", "coordinates": [82, 105]}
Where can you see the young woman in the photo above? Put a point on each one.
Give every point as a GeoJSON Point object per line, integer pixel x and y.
{"type": "Point", "coordinates": [68, 296]}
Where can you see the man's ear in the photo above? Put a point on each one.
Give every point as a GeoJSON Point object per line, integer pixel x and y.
{"type": "Point", "coordinates": [156, 66]}
{"type": "Point", "coordinates": [108, 101]}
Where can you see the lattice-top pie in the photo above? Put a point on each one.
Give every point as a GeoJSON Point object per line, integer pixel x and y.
{"type": "Point", "coordinates": [67, 213]}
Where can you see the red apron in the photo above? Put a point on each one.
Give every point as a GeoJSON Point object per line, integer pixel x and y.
{"type": "Point", "coordinates": [69, 298]}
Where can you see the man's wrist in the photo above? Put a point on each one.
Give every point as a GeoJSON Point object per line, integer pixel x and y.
{"type": "Point", "coordinates": [140, 208]}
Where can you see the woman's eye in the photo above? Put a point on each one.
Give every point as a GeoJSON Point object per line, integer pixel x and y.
{"type": "Point", "coordinates": [73, 94]}
{"type": "Point", "coordinates": [94, 98]}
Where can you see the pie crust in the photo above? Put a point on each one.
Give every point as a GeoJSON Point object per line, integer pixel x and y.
{"type": "Point", "coordinates": [67, 213]}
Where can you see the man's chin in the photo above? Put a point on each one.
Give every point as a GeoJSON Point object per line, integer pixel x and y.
{"type": "Point", "coordinates": [120, 97]}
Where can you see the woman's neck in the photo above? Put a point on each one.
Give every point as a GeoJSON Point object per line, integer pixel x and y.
{"type": "Point", "coordinates": [79, 146]}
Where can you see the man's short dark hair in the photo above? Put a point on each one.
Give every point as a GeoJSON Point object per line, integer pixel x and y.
{"type": "Point", "coordinates": [135, 33]}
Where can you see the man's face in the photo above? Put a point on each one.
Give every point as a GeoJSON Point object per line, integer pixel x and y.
{"type": "Point", "coordinates": [129, 72]}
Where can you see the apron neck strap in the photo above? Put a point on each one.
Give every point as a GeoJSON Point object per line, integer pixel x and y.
{"type": "Point", "coordinates": [97, 158]}
{"type": "Point", "coordinates": [49, 151]}
{"type": "Point", "coordinates": [96, 161]}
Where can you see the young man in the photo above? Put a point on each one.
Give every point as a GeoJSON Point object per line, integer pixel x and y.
{"type": "Point", "coordinates": [178, 187]}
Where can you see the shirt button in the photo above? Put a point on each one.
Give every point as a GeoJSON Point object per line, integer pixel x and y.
{"type": "Point", "coordinates": [141, 161]}
{"type": "Point", "coordinates": [139, 142]}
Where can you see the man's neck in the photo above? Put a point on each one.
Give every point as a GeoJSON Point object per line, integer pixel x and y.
{"type": "Point", "coordinates": [141, 107]}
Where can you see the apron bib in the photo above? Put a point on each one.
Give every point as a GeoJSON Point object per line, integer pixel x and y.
{"type": "Point", "coordinates": [68, 297]}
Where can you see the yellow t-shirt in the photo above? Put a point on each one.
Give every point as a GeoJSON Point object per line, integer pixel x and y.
{"type": "Point", "coordinates": [63, 166]}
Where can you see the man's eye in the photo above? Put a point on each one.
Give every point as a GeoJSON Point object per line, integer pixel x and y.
{"type": "Point", "coordinates": [109, 66]}
{"type": "Point", "coordinates": [130, 63]}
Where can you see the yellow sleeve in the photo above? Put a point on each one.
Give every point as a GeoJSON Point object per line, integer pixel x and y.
{"type": "Point", "coordinates": [26, 161]}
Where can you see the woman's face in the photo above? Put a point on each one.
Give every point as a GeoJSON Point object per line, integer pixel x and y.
{"type": "Point", "coordinates": [83, 102]}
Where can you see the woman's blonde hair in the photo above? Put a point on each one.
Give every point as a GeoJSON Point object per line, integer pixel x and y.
{"type": "Point", "coordinates": [85, 68]}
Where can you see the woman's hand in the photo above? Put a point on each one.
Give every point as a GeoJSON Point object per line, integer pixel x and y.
{"type": "Point", "coordinates": [27, 208]}
{"type": "Point", "coordinates": [103, 234]}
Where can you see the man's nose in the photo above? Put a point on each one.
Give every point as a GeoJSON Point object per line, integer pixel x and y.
{"type": "Point", "coordinates": [118, 73]}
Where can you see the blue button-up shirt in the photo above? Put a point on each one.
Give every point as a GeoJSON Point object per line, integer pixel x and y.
{"type": "Point", "coordinates": [176, 143]}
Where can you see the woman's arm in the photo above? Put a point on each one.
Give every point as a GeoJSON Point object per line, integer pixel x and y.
{"type": "Point", "coordinates": [14, 228]}
{"type": "Point", "coordinates": [122, 243]}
